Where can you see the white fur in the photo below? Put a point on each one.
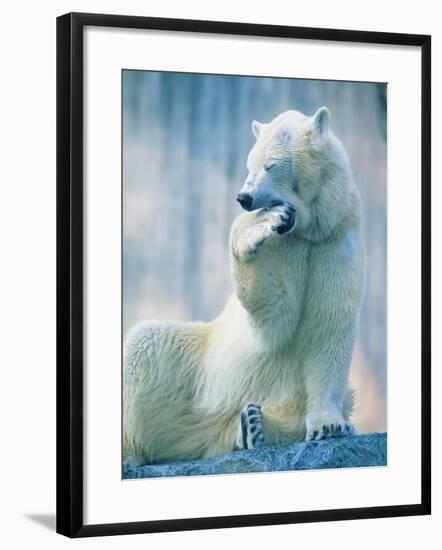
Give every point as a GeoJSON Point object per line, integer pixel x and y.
{"type": "Point", "coordinates": [286, 336]}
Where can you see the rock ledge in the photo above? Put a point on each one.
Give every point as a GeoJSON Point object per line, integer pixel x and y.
{"type": "Point", "coordinates": [338, 452]}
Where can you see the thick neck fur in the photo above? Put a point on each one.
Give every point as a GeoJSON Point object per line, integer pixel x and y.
{"type": "Point", "coordinates": [323, 230]}
{"type": "Point", "coordinates": [336, 204]}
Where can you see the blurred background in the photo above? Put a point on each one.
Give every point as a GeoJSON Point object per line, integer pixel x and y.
{"type": "Point", "coordinates": [185, 144]}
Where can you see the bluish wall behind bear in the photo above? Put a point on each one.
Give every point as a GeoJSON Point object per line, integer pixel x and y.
{"type": "Point", "coordinates": [185, 142]}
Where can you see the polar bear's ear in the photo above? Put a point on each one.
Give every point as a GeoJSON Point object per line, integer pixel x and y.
{"type": "Point", "coordinates": [256, 128]}
{"type": "Point", "coordinates": [321, 120]}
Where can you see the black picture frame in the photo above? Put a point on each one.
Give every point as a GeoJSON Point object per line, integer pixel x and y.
{"type": "Point", "coordinates": [70, 273]}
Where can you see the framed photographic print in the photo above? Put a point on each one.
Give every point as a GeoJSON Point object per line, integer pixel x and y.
{"type": "Point", "coordinates": [243, 274]}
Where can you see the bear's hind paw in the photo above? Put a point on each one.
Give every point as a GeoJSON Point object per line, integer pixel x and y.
{"type": "Point", "coordinates": [250, 430]}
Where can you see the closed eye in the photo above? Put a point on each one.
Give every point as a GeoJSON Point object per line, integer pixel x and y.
{"type": "Point", "coordinates": [269, 166]}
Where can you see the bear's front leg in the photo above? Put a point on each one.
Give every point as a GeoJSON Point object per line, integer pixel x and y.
{"type": "Point", "coordinates": [326, 380]}
{"type": "Point", "coordinates": [250, 230]}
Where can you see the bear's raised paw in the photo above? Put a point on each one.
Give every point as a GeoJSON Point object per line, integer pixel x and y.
{"type": "Point", "coordinates": [286, 219]}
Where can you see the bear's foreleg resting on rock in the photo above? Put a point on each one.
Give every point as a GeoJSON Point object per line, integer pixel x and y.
{"type": "Point", "coordinates": [251, 229]}
{"type": "Point", "coordinates": [329, 400]}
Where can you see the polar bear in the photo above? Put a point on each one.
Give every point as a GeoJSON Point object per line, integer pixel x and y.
{"type": "Point", "coordinates": [274, 366]}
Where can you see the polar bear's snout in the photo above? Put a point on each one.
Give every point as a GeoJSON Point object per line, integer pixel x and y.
{"type": "Point", "coordinates": [253, 201]}
{"type": "Point", "coordinates": [245, 200]}
{"type": "Point", "coordinates": [260, 190]}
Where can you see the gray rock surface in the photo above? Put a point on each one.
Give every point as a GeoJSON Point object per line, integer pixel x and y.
{"type": "Point", "coordinates": [338, 452]}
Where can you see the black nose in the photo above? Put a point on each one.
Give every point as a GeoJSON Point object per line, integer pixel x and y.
{"type": "Point", "coordinates": [245, 200]}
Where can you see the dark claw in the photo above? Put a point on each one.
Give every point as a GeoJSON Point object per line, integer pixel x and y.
{"type": "Point", "coordinates": [288, 221]}
{"type": "Point", "coordinates": [315, 434]}
{"type": "Point", "coordinates": [251, 423]}
{"type": "Point", "coordinates": [244, 429]}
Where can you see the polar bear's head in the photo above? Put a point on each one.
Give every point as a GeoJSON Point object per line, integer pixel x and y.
{"type": "Point", "coordinates": [298, 160]}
